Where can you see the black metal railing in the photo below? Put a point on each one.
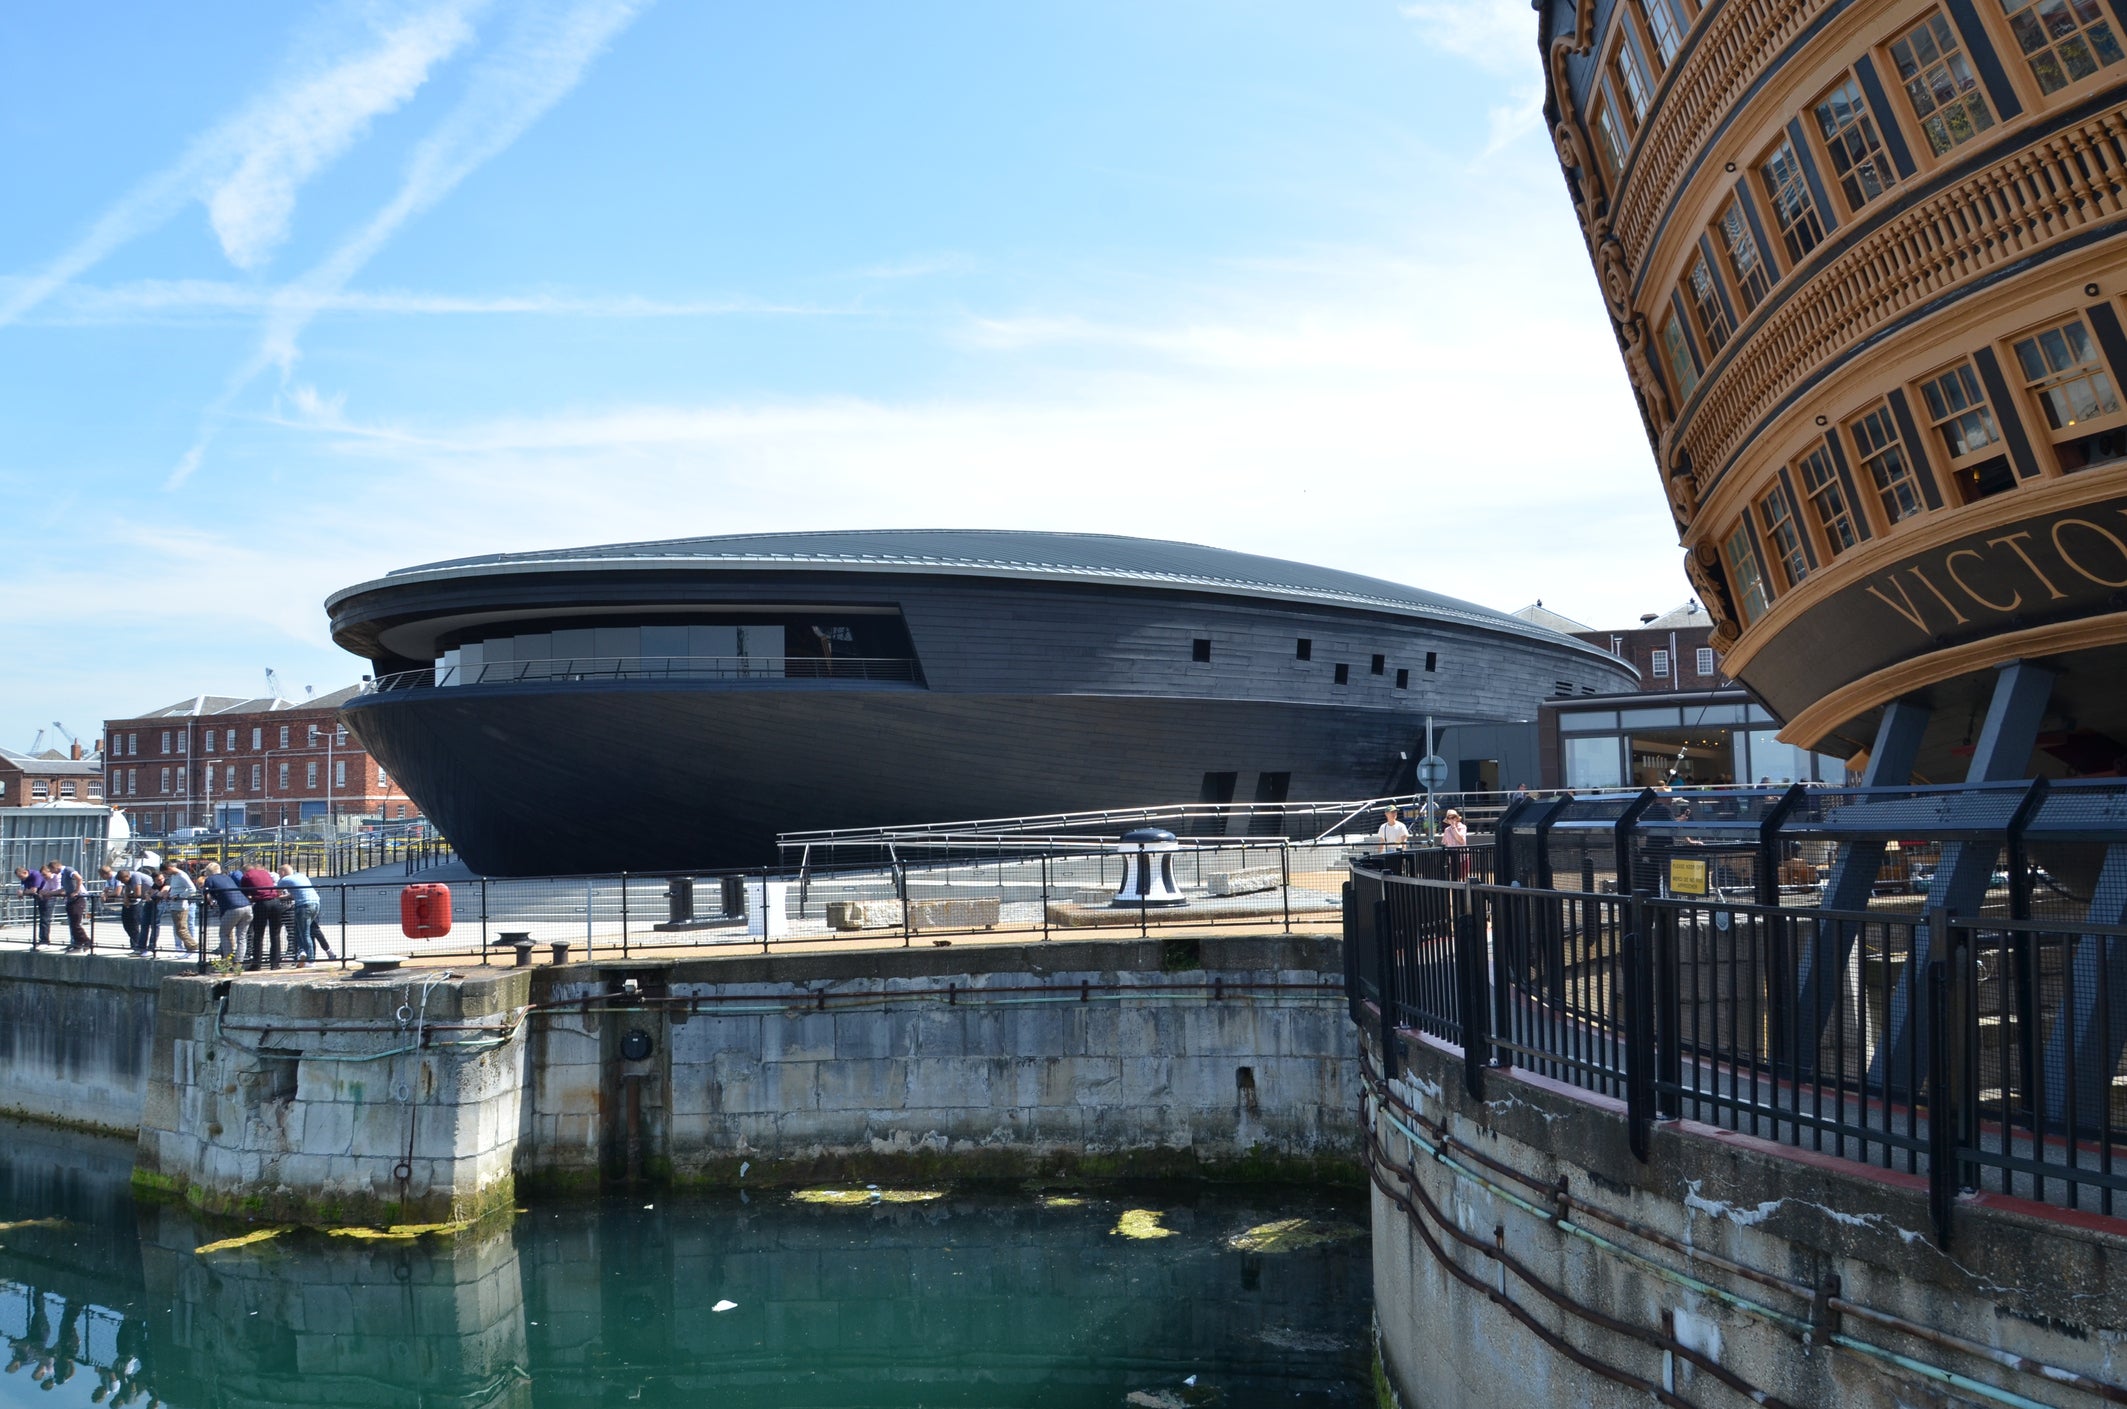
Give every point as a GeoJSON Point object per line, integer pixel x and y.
{"type": "Point", "coordinates": [902, 669]}
{"type": "Point", "coordinates": [1985, 1054]}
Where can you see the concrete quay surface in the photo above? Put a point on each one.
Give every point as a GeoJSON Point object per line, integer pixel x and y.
{"type": "Point", "coordinates": [434, 1095]}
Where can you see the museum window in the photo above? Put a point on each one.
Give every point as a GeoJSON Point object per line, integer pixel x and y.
{"type": "Point", "coordinates": [2065, 373]}
{"type": "Point", "coordinates": [1889, 466]}
{"type": "Point", "coordinates": [1850, 139]}
{"type": "Point", "coordinates": [1958, 410]}
{"type": "Point", "coordinates": [1939, 85]}
{"type": "Point", "coordinates": [1666, 27]}
{"type": "Point", "coordinates": [1745, 260]}
{"type": "Point", "coordinates": [1629, 66]}
{"type": "Point", "coordinates": [1344, 673]}
{"type": "Point", "coordinates": [1200, 649]}
{"type": "Point", "coordinates": [1794, 209]}
{"type": "Point", "coordinates": [1826, 493]}
{"type": "Point", "coordinates": [1676, 350]}
{"type": "Point", "coordinates": [1304, 649]}
{"type": "Point", "coordinates": [1380, 665]}
{"type": "Point", "coordinates": [1706, 662]}
{"type": "Point", "coordinates": [1704, 296]}
{"type": "Point", "coordinates": [2063, 41]}
{"type": "Point", "coordinates": [1743, 575]}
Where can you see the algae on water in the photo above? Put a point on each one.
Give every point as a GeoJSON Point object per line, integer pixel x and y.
{"type": "Point", "coordinates": [1291, 1235]}
{"type": "Point", "coordinates": [846, 1198]}
{"type": "Point", "coordinates": [242, 1241]}
{"type": "Point", "coordinates": [1141, 1223]}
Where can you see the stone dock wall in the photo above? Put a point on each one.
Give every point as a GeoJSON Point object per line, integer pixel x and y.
{"type": "Point", "coordinates": [1524, 1257]}
{"type": "Point", "coordinates": [75, 1037]}
{"type": "Point", "coordinates": [319, 1097]}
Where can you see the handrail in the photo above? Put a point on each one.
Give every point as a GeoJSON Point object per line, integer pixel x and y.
{"type": "Point", "coordinates": [590, 668]}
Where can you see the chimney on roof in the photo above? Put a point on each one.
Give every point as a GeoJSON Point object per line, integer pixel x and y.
{"type": "Point", "coordinates": [1646, 617]}
{"type": "Point", "coordinates": [77, 751]}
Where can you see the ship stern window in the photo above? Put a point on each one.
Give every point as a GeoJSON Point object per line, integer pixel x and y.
{"type": "Point", "coordinates": [2064, 371]}
{"type": "Point", "coordinates": [1939, 84]}
{"type": "Point", "coordinates": [1850, 138]}
{"type": "Point", "coordinates": [2062, 40]}
{"type": "Point", "coordinates": [1826, 492]}
{"type": "Point", "coordinates": [1794, 208]}
{"type": "Point", "coordinates": [1744, 577]}
{"type": "Point", "coordinates": [1884, 456]}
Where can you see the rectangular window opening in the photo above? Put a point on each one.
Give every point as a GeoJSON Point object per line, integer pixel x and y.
{"type": "Point", "coordinates": [1783, 536]}
{"type": "Point", "coordinates": [1794, 208]}
{"type": "Point", "coordinates": [1743, 576]}
{"type": "Point", "coordinates": [1939, 84]}
{"type": "Point", "coordinates": [1200, 649]}
{"type": "Point", "coordinates": [1432, 661]}
{"type": "Point", "coordinates": [2064, 41]}
{"type": "Point", "coordinates": [1304, 649]}
{"type": "Point", "coordinates": [1403, 679]}
{"type": "Point", "coordinates": [1380, 665]}
{"type": "Point", "coordinates": [1660, 665]}
{"type": "Point", "coordinates": [1745, 260]}
{"type": "Point", "coordinates": [2065, 373]}
{"type": "Point", "coordinates": [1883, 455]}
{"type": "Point", "coordinates": [1344, 673]}
{"type": "Point", "coordinates": [1849, 132]}
{"type": "Point", "coordinates": [1706, 661]}
{"type": "Point", "coordinates": [1826, 493]}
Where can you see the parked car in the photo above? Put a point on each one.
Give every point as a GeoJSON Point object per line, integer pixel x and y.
{"type": "Point", "coordinates": [189, 834]}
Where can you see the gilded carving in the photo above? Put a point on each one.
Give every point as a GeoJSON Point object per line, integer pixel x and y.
{"type": "Point", "coordinates": [1640, 368]}
{"type": "Point", "coordinates": [1703, 566]}
{"type": "Point", "coordinates": [1616, 277]}
{"type": "Point", "coordinates": [1683, 496]}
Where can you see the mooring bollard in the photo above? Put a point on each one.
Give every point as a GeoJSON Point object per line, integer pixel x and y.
{"type": "Point", "coordinates": [561, 951]}
{"type": "Point", "coordinates": [521, 941]}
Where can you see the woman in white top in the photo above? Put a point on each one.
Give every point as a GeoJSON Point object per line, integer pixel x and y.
{"type": "Point", "coordinates": [1453, 833]}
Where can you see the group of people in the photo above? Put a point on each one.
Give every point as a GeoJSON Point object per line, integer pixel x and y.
{"type": "Point", "coordinates": [54, 1351]}
{"type": "Point", "coordinates": [257, 908]}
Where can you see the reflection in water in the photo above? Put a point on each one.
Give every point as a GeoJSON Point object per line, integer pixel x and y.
{"type": "Point", "coordinates": [647, 1302]}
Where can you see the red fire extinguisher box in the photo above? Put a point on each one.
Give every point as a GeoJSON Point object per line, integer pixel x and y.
{"type": "Point", "coordinates": [425, 911]}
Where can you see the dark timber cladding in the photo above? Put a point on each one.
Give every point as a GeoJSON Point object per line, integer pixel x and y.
{"type": "Point", "coordinates": [674, 705]}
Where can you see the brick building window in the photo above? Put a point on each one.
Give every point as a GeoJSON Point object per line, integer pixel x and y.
{"type": "Point", "coordinates": [232, 779]}
{"type": "Point", "coordinates": [66, 790]}
{"type": "Point", "coordinates": [1826, 493]}
{"type": "Point", "coordinates": [284, 736]}
{"type": "Point", "coordinates": [166, 741]}
{"type": "Point", "coordinates": [43, 790]}
{"type": "Point", "coordinates": [258, 776]}
{"type": "Point", "coordinates": [258, 739]}
{"type": "Point", "coordinates": [1706, 661]}
{"type": "Point", "coordinates": [339, 736]}
{"type": "Point", "coordinates": [164, 787]}
{"type": "Point", "coordinates": [310, 775]}
{"type": "Point", "coordinates": [339, 772]}
{"type": "Point", "coordinates": [1661, 665]}
{"type": "Point", "coordinates": [281, 777]}
{"type": "Point", "coordinates": [1938, 80]}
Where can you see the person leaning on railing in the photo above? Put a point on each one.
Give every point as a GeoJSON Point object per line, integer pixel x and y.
{"type": "Point", "coordinates": [1454, 834]}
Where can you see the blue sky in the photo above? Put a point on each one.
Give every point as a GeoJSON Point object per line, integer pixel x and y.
{"type": "Point", "coordinates": [292, 294]}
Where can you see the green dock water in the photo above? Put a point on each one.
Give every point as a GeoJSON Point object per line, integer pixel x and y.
{"type": "Point", "coordinates": [947, 1297]}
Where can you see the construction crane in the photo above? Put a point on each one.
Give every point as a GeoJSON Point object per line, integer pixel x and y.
{"type": "Point", "coordinates": [66, 734]}
{"type": "Point", "coordinates": [273, 684]}
{"type": "Point", "coordinates": [37, 743]}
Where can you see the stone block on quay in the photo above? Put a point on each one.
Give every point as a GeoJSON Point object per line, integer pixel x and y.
{"type": "Point", "coordinates": [1246, 881]}
{"type": "Point", "coordinates": [965, 912]}
{"type": "Point", "coordinates": [807, 1037]}
{"type": "Point", "coordinates": [861, 1035]}
{"type": "Point", "coordinates": [863, 914]}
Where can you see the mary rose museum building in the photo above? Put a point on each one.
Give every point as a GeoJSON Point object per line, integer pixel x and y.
{"type": "Point", "coordinates": [1867, 266]}
{"type": "Point", "coordinates": [677, 704]}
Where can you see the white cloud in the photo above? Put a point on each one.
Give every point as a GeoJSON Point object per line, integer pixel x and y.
{"type": "Point", "coordinates": [162, 300]}
{"type": "Point", "coordinates": [1498, 36]}
{"type": "Point", "coordinates": [312, 120]}
{"type": "Point", "coordinates": [249, 166]}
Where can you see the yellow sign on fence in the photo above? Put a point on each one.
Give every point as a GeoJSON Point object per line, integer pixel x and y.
{"type": "Point", "coordinates": [1687, 876]}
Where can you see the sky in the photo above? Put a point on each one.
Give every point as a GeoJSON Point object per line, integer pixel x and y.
{"type": "Point", "coordinates": [293, 294]}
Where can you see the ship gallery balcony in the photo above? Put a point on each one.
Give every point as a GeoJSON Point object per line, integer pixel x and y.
{"type": "Point", "coordinates": [899, 670]}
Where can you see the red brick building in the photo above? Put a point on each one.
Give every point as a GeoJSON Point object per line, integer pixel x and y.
{"type": "Point", "coordinates": [1672, 651]}
{"type": "Point", "coordinates": [224, 761]}
{"type": "Point", "coordinates": [28, 779]}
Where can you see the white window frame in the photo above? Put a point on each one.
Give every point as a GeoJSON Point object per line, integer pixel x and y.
{"type": "Point", "coordinates": [1661, 663]}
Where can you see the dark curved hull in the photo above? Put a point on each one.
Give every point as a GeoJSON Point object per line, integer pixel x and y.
{"type": "Point", "coordinates": [565, 779]}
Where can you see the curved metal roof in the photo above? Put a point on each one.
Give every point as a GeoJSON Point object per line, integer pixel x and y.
{"type": "Point", "coordinates": [995, 553]}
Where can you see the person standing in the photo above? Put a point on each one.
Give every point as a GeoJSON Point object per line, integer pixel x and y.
{"type": "Point", "coordinates": [32, 887]}
{"type": "Point", "coordinates": [231, 905]}
{"type": "Point", "coordinates": [303, 905]}
{"type": "Point", "coordinates": [144, 885]}
{"type": "Point", "coordinates": [176, 894]}
{"type": "Point", "coordinates": [75, 891]}
{"type": "Point", "coordinates": [1392, 834]}
{"type": "Point", "coordinates": [269, 916]}
{"type": "Point", "coordinates": [1454, 834]}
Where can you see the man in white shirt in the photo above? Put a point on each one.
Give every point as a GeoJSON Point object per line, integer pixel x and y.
{"type": "Point", "coordinates": [1392, 834]}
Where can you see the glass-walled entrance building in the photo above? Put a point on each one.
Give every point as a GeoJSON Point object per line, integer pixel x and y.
{"type": "Point", "coordinates": [1699, 738]}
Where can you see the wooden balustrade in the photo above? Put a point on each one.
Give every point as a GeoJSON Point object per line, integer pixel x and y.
{"type": "Point", "coordinates": [2033, 198]}
{"type": "Point", "coordinates": [1741, 40]}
